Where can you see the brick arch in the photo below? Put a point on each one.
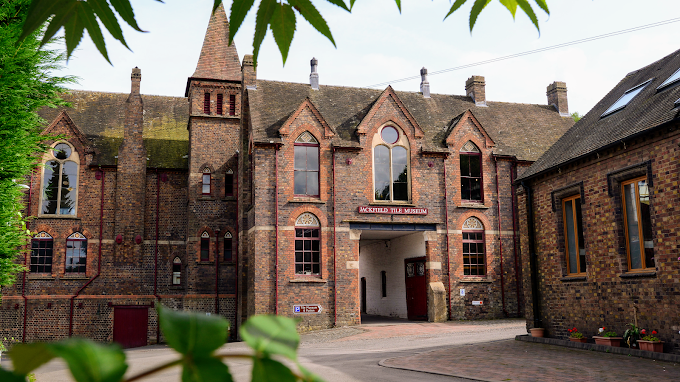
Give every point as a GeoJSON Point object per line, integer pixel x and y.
{"type": "Point", "coordinates": [205, 228]}
{"type": "Point", "coordinates": [51, 230]}
{"type": "Point", "coordinates": [385, 121]}
{"type": "Point", "coordinates": [78, 228]}
{"type": "Point", "coordinates": [461, 219]}
{"type": "Point", "coordinates": [469, 136]}
{"type": "Point", "coordinates": [316, 131]}
{"type": "Point", "coordinates": [323, 221]}
{"type": "Point", "coordinates": [208, 165]}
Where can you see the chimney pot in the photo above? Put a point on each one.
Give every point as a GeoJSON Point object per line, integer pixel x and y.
{"type": "Point", "coordinates": [475, 87]}
{"type": "Point", "coordinates": [424, 84]}
{"type": "Point", "coordinates": [135, 79]}
{"type": "Point", "coordinates": [314, 76]}
{"type": "Point", "coordinates": [557, 96]}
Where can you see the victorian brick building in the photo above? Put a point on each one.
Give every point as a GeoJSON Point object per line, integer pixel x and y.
{"type": "Point", "coordinates": [249, 196]}
{"type": "Point", "coordinates": [599, 214]}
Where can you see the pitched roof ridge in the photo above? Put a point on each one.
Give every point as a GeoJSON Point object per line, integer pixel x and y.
{"type": "Point", "coordinates": [71, 91]}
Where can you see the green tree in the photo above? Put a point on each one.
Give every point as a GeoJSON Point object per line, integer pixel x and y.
{"type": "Point", "coordinates": [279, 16]}
{"type": "Point", "coordinates": [25, 86]}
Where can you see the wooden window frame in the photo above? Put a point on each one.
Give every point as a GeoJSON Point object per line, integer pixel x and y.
{"type": "Point", "coordinates": [33, 268]}
{"type": "Point", "coordinates": [303, 239]}
{"type": "Point", "coordinates": [307, 170]}
{"type": "Point", "coordinates": [206, 103]}
{"type": "Point", "coordinates": [470, 179]}
{"type": "Point", "coordinates": [219, 105]}
{"type": "Point", "coordinates": [206, 173]}
{"type": "Point", "coordinates": [205, 247]}
{"type": "Point", "coordinates": [483, 255]}
{"type": "Point", "coordinates": [644, 266]}
{"type": "Point", "coordinates": [82, 242]}
{"type": "Point", "coordinates": [578, 233]}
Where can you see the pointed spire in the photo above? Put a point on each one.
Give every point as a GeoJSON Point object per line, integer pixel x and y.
{"type": "Point", "coordinates": [218, 60]}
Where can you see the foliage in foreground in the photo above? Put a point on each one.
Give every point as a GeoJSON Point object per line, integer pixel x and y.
{"type": "Point", "coordinates": [25, 86]}
{"type": "Point", "coordinates": [279, 16]}
{"type": "Point", "coordinates": [194, 336]}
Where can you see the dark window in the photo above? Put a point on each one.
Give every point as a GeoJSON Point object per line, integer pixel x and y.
{"type": "Point", "coordinates": [219, 104]}
{"type": "Point", "coordinates": [206, 181]}
{"type": "Point", "coordinates": [232, 104]}
{"type": "Point", "coordinates": [228, 247]}
{"type": "Point", "coordinates": [383, 283]}
{"type": "Point", "coordinates": [229, 184]}
{"type": "Point", "coordinates": [471, 176]}
{"type": "Point", "coordinates": [76, 253]}
{"type": "Point", "coordinates": [307, 251]}
{"type": "Point", "coordinates": [573, 235]}
{"type": "Point", "coordinates": [41, 253]}
{"type": "Point", "coordinates": [206, 103]}
{"type": "Point", "coordinates": [474, 262]}
{"type": "Point", "coordinates": [306, 165]}
{"type": "Point", "coordinates": [205, 246]}
{"type": "Point", "coordinates": [176, 271]}
{"type": "Point", "coordinates": [638, 223]}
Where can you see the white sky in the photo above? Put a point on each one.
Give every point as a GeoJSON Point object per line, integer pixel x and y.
{"type": "Point", "coordinates": [376, 44]}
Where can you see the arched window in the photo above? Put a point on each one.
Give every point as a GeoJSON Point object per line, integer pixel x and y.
{"type": "Point", "coordinates": [228, 249]}
{"type": "Point", "coordinates": [474, 259]}
{"type": "Point", "coordinates": [206, 181]}
{"type": "Point", "coordinates": [42, 246]}
{"type": "Point", "coordinates": [391, 165]}
{"type": "Point", "coordinates": [205, 246]}
{"type": "Point", "coordinates": [306, 165]}
{"type": "Point", "coordinates": [176, 271]}
{"type": "Point", "coordinates": [76, 253]}
{"type": "Point", "coordinates": [60, 181]}
{"type": "Point", "coordinates": [307, 245]}
{"type": "Point", "coordinates": [229, 183]}
{"type": "Point", "coordinates": [471, 173]}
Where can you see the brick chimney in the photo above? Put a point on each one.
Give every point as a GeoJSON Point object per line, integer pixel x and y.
{"type": "Point", "coordinates": [557, 96]}
{"type": "Point", "coordinates": [314, 77]}
{"type": "Point", "coordinates": [475, 89]}
{"type": "Point", "coordinates": [248, 72]}
{"type": "Point", "coordinates": [424, 84]}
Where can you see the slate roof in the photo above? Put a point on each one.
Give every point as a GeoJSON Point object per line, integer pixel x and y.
{"type": "Point", "coordinates": [521, 130]}
{"type": "Point", "coordinates": [218, 59]}
{"type": "Point", "coordinates": [650, 108]}
{"type": "Point", "coordinates": [101, 116]}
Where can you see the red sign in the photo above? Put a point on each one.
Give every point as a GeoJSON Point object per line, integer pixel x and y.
{"type": "Point", "coordinates": [307, 309]}
{"type": "Point", "coordinates": [393, 210]}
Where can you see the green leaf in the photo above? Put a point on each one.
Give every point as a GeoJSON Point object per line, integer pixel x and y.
{"type": "Point", "coordinates": [192, 333]}
{"type": "Point", "coordinates": [264, 15]}
{"type": "Point", "coordinates": [341, 4]}
{"type": "Point", "coordinates": [89, 361]}
{"type": "Point", "coordinates": [309, 376]}
{"type": "Point", "coordinates": [269, 335]}
{"type": "Point", "coordinates": [8, 376]}
{"type": "Point", "coordinates": [73, 31]}
{"type": "Point", "coordinates": [398, 4]}
{"type": "Point", "coordinates": [39, 11]}
{"type": "Point", "coordinates": [28, 357]}
{"type": "Point", "coordinates": [543, 5]}
{"type": "Point", "coordinates": [477, 8]}
{"type": "Point", "coordinates": [125, 11]}
{"type": "Point", "coordinates": [108, 18]}
{"type": "Point", "coordinates": [312, 15]}
{"type": "Point", "coordinates": [351, 4]}
{"type": "Point", "coordinates": [205, 369]}
{"type": "Point", "coordinates": [217, 4]}
{"type": "Point", "coordinates": [455, 7]}
{"type": "Point", "coordinates": [283, 28]}
{"type": "Point", "coordinates": [511, 5]}
{"type": "Point", "coordinates": [238, 12]}
{"type": "Point", "coordinates": [59, 20]}
{"type": "Point", "coordinates": [268, 370]}
{"type": "Point", "coordinates": [526, 7]}
{"type": "Point", "coordinates": [90, 22]}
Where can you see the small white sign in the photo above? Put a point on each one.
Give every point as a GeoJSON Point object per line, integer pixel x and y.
{"type": "Point", "coordinates": [462, 292]}
{"type": "Point", "coordinates": [478, 303]}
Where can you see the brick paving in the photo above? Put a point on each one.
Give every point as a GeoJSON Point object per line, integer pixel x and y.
{"type": "Point", "coordinates": [510, 360]}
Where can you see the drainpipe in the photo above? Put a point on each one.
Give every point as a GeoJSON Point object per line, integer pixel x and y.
{"type": "Point", "coordinates": [446, 217]}
{"type": "Point", "coordinates": [238, 239]}
{"type": "Point", "coordinates": [155, 266]}
{"type": "Point", "coordinates": [500, 238]}
{"type": "Point", "coordinates": [532, 256]}
{"type": "Point", "coordinates": [335, 244]}
{"type": "Point", "coordinates": [99, 261]}
{"type": "Point", "coordinates": [276, 227]}
{"type": "Point", "coordinates": [217, 271]}
{"type": "Point", "coordinates": [513, 170]}
{"type": "Point", "coordinates": [23, 282]}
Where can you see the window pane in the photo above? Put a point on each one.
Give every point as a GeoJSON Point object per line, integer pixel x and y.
{"type": "Point", "coordinates": [645, 214]}
{"type": "Point", "coordinates": [62, 151]}
{"type": "Point", "coordinates": [389, 134]}
{"type": "Point", "coordinates": [632, 225]}
{"type": "Point", "coordinates": [312, 157]}
{"type": "Point", "coordinates": [475, 189]}
{"type": "Point", "coordinates": [300, 182]}
{"type": "Point", "coordinates": [206, 189]}
{"type": "Point", "coordinates": [315, 269]}
{"type": "Point", "coordinates": [382, 173]}
{"type": "Point", "coordinates": [51, 187]}
{"type": "Point", "coordinates": [474, 165]}
{"type": "Point", "coordinates": [298, 257]}
{"type": "Point", "coordinates": [315, 245]}
{"type": "Point", "coordinates": [298, 245]}
{"type": "Point", "coordinates": [570, 234]}
{"type": "Point", "coordinates": [315, 257]}
{"type": "Point", "coordinates": [205, 249]}
{"type": "Point", "coordinates": [300, 157]}
{"type": "Point", "coordinates": [298, 269]}
{"type": "Point", "coordinates": [581, 242]}
{"type": "Point", "coordinates": [308, 245]}
{"type": "Point", "coordinates": [312, 183]}
{"type": "Point", "coordinates": [465, 189]}
{"type": "Point", "coordinates": [465, 165]}
{"type": "Point", "coordinates": [307, 257]}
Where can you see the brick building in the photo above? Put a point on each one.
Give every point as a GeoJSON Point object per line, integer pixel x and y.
{"type": "Point", "coordinates": [249, 196]}
{"type": "Point", "coordinates": [601, 239]}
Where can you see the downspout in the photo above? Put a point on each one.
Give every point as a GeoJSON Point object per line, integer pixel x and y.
{"type": "Point", "coordinates": [448, 260]}
{"type": "Point", "coordinates": [514, 232]}
{"type": "Point", "coordinates": [238, 238]}
{"type": "Point", "coordinates": [532, 256]}
{"type": "Point", "coordinates": [335, 244]}
{"type": "Point", "coordinates": [500, 238]}
{"type": "Point", "coordinates": [23, 282]}
{"type": "Point", "coordinates": [155, 266]}
{"type": "Point", "coordinates": [99, 260]}
{"type": "Point", "coordinates": [217, 271]}
{"type": "Point", "coordinates": [276, 234]}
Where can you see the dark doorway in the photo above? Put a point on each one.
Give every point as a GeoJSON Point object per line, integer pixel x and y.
{"type": "Point", "coordinates": [130, 325]}
{"type": "Point", "coordinates": [363, 295]}
{"type": "Point", "coordinates": [416, 289]}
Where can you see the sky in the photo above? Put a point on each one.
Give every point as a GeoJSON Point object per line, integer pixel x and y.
{"type": "Point", "coordinates": [378, 45]}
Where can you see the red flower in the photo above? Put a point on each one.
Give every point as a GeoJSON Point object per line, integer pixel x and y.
{"type": "Point", "coordinates": [653, 332]}
{"type": "Point", "coordinates": [575, 330]}
{"type": "Point", "coordinates": [569, 330]}
{"type": "Point", "coordinates": [643, 331]}
{"type": "Point", "coordinates": [603, 328]}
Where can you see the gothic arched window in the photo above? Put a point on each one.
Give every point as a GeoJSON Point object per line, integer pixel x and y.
{"type": "Point", "coordinates": [59, 194]}
{"type": "Point", "coordinates": [76, 253]}
{"type": "Point", "coordinates": [391, 165]}
{"type": "Point", "coordinates": [471, 173]}
{"type": "Point", "coordinates": [307, 245]}
{"type": "Point", "coordinates": [474, 259]}
{"type": "Point", "coordinates": [306, 165]}
{"type": "Point", "coordinates": [42, 246]}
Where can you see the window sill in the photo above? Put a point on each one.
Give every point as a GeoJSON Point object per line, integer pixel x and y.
{"type": "Point", "coordinates": [308, 280]}
{"type": "Point", "coordinates": [573, 278]}
{"type": "Point", "coordinates": [176, 287]}
{"type": "Point", "coordinates": [480, 206]}
{"type": "Point", "coordinates": [40, 277]}
{"type": "Point", "coordinates": [391, 203]}
{"type": "Point", "coordinates": [205, 262]}
{"type": "Point", "coordinates": [222, 116]}
{"type": "Point", "coordinates": [472, 279]}
{"type": "Point", "coordinates": [75, 277]}
{"type": "Point", "coordinates": [304, 199]}
{"type": "Point", "coordinates": [205, 197]}
{"type": "Point", "coordinates": [229, 199]}
{"type": "Point", "coordinates": [58, 217]}
{"type": "Point", "coordinates": [228, 263]}
{"type": "Point", "coordinates": [637, 274]}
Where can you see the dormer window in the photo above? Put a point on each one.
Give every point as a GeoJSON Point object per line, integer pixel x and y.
{"type": "Point", "coordinates": [626, 98]}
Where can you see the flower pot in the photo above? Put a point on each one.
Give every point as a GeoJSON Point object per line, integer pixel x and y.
{"type": "Point", "coordinates": [610, 341]}
{"type": "Point", "coordinates": [582, 340]}
{"type": "Point", "coordinates": [537, 332]}
{"type": "Point", "coordinates": [656, 346]}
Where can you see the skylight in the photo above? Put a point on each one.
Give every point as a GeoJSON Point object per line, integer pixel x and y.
{"type": "Point", "coordinates": [672, 79]}
{"type": "Point", "coordinates": [626, 98]}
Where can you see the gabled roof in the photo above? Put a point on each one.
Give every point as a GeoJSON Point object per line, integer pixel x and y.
{"type": "Point", "coordinates": [522, 130]}
{"type": "Point", "coordinates": [650, 108]}
{"type": "Point", "coordinates": [218, 59]}
{"type": "Point", "coordinates": [457, 122]}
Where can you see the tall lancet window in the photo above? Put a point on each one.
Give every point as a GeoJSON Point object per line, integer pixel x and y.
{"type": "Point", "coordinates": [59, 194]}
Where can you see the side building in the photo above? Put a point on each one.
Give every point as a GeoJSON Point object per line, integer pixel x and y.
{"type": "Point", "coordinates": [598, 214]}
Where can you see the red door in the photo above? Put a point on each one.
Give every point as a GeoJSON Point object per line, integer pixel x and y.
{"type": "Point", "coordinates": [130, 325]}
{"type": "Point", "coordinates": [416, 289]}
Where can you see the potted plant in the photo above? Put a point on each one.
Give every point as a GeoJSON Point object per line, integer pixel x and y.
{"type": "Point", "coordinates": [650, 342]}
{"type": "Point", "coordinates": [576, 336]}
{"type": "Point", "coordinates": [607, 338]}
{"type": "Point", "coordinates": [537, 332]}
{"type": "Point", "coordinates": [631, 335]}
